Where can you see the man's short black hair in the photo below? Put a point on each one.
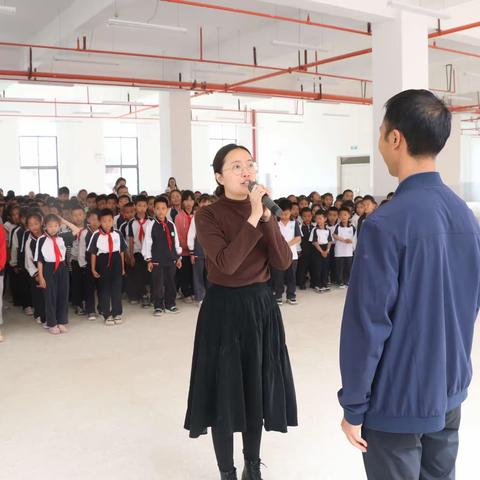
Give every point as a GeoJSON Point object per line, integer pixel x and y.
{"type": "Point", "coordinates": [101, 198]}
{"type": "Point", "coordinates": [347, 191]}
{"type": "Point", "coordinates": [63, 191]}
{"type": "Point", "coordinates": [328, 194]}
{"type": "Point", "coordinates": [339, 197]}
{"type": "Point", "coordinates": [369, 197]}
{"type": "Point", "coordinates": [321, 212]}
{"type": "Point", "coordinates": [105, 212]}
{"type": "Point", "coordinates": [75, 206]}
{"type": "Point", "coordinates": [161, 199]}
{"type": "Point", "coordinates": [129, 204]}
{"type": "Point", "coordinates": [124, 196]}
{"type": "Point", "coordinates": [141, 198]}
{"type": "Point", "coordinates": [422, 118]}
{"type": "Point", "coordinates": [112, 196]}
{"type": "Point", "coordinates": [333, 209]}
{"type": "Point", "coordinates": [285, 204]}
{"type": "Point", "coordinates": [305, 210]}
{"type": "Point", "coordinates": [92, 195]}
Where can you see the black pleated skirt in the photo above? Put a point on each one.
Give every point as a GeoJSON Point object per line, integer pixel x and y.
{"type": "Point", "coordinates": [241, 375]}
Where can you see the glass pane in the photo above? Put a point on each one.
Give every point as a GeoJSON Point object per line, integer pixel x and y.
{"type": "Point", "coordinates": [29, 180]}
{"type": "Point", "coordinates": [111, 175]}
{"type": "Point", "coordinates": [28, 152]}
{"type": "Point", "coordinates": [131, 176]}
{"type": "Point", "coordinates": [48, 181]}
{"type": "Point", "coordinates": [129, 151]}
{"type": "Point", "coordinates": [47, 151]}
{"type": "Point", "coordinates": [229, 131]}
{"type": "Point", "coordinates": [112, 151]}
{"type": "Point", "coordinates": [215, 146]}
{"type": "Point", "coordinates": [215, 130]}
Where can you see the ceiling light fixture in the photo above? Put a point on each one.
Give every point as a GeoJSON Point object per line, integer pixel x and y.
{"type": "Point", "coordinates": [88, 62]}
{"type": "Point", "coordinates": [116, 22]}
{"type": "Point", "coordinates": [302, 46]}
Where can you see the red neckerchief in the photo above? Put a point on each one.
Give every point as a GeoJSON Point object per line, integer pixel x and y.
{"type": "Point", "coordinates": [110, 244]}
{"type": "Point", "coordinates": [142, 231]}
{"type": "Point", "coordinates": [167, 233]}
{"type": "Point", "coordinates": [58, 253]}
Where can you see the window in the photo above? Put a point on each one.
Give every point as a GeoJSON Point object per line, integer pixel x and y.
{"type": "Point", "coordinates": [38, 164]}
{"type": "Point", "coordinates": [121, 160]}
{"type": "Point", "coordinates": [220, 135]}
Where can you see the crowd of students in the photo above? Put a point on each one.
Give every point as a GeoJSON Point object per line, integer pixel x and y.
{"type": "Point", "coordinates": [92, 250]}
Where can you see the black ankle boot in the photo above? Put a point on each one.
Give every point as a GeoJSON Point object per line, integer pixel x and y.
{"type": "Point", "coordinates": [229, 475]}
{"type": "Point", "coordinates": [252, 470]}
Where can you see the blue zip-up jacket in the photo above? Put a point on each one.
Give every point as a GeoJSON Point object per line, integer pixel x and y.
{"type": "Point", "coordinates": [410, 311]}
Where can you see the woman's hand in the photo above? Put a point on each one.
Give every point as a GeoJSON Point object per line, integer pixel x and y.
{"type": "Point", "coordinates": [258, 210]}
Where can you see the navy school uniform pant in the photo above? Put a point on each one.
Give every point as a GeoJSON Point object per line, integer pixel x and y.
{"type": "Point", "coordinates": [163, 284]}
{"type": "Point", "coordinates": [321, 269]}
{"type": "Point", "coordinates": [184, 277]}
{"type": "Point", "coordinates": [282, 278]}
{"type": "Point", "coordinates": [306, 266]}
{"type": "Point", "coordinates": [199, 279]}
{"type": "Point", "coordinates": [343, 267]}
{"type": "Point", "coordinates": [20, 288]}
{"type": "Point", "coordinates": [110, 284]}
{"type": "Point", "coordinates": [332, 267]}
{"type": "Point", "coordinates": [413, 456]}
{"type": "Point", "coordinates": [138, 278]}
{"type": "Point", "coordinates": [77, 285]}
{"type": "Point", "coordinates": [90, 286]}
{"type": "Point", "coordinates": [38, 300]}
{"type": "Point", "coordinates": [56, 293]}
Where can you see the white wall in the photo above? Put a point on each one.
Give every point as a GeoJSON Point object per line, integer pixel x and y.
{"type": "Point", "coordinates": [80, 144]}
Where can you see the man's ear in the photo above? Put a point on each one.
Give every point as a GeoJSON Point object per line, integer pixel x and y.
{"type": "Point", "coordinates": [396, 137]}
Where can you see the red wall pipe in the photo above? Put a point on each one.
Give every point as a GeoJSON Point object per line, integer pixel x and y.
{"type": "Point", "coordinates": [449, 31]}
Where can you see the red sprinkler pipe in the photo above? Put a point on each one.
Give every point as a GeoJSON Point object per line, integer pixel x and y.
{"type": "Point", "coordinates": [449, 31]}
{"type": "Point", "coordinates": [451, 50]}
{"type": "Point", "coordinates": [300, 68]}
{"type": "Point", "coordinates": [215, 87]}
{"type": "Point", "coordinates": [269, 16]}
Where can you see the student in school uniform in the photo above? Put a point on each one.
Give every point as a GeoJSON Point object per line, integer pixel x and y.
{"type": "Point", "coordinates": [112, 203]}
{"type": "Point", "coordinates": [120, 219]}
{"type": "Point", "coordinates": [344, 235]}
{"type": "Point", "coordinates": [162, 252]}
{"type": "Point", "coordinates": [175, 197]}
{"type": "Point", "coordinates": [35, 231]}
{"type": "Point", "coordinates": [182, 224]}
{"type": "Point", "coordinates": [77, 284]}
{"type": "Point", "coordinates": [84, 261]}
{"type": "Point", "coordinates": [369, 206]}
{"type": "Point", "coordinates": [53, 274]}
{"type": "Point", "coordinates": [107, 249]}
{"type": "Point", "coordinates": [321, 239]}
{"type": "Point", "coordinates": [332, 222]}
{"type": "Point", "coordinates": [19, 276]}
{"type": "Point", "coordinates": [305, 258]}
{"type": "Point", "coordinates": [137, 271]}
{"type": "Point", "coordinates": [197, 255]}
{"type": "Point", "coordinates": [151, 206]}
{"type": "Point", "coordinates": [3, 262]}
{"type": "Point", "coordinates": [292, 235]}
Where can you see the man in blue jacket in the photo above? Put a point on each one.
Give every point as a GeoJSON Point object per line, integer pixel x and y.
{"type": "Point", "coordinates": [413, 299]}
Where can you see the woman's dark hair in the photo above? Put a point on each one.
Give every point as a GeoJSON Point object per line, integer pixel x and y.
{"type": "Point", "coordinates": [119, 179]}
{"type": "Point", "coordinates": [423, 119]}
{"type": "Point", "coordinates": [188, 195]}
{"type": "Point", "coordinates": [51, 217]}
{"type": "Point", "coordinates": [171, 178]}
{"type": "Point", "coordinates": [219, 162]}
{"type": "Point", "coordinates": [37, 215]}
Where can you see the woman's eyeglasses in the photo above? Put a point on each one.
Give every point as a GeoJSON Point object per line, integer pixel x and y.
{"type": "Point", "coordinates": [238, 168]}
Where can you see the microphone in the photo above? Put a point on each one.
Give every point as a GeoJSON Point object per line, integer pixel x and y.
{"type": "Point", "coordinates": [267, 201]}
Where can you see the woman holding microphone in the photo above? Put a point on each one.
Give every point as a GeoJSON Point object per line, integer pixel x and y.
{"type": "Point", "coordinates": [241, 377]}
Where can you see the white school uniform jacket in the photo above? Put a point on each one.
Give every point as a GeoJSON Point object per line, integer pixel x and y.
{"type": "Point", "coordinates": [343, 249]}
{"type": "Point", "coordinates": [44, 251]}
{"type": "Point", "coordinates": [133, 231]}
{"type": "Point", "coordinates": [29, 248]}
{"type": "Point", "coordinates": [99, 243]}
{"type": "Point", "coordinates": [322, 236]}
{"type": "Point", "coordinates": [289, 232]}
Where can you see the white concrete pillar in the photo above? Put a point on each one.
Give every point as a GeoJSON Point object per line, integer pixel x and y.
{"type": "Point", "coordinates": [176, 138]}
{"type": "Point", "coordinates": [399, 62]}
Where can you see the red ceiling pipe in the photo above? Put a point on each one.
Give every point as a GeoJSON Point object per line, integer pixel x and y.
{"type": "Point", "coordinates": [216, 87]}
{"type": "Point", "coordinates": [62, 102]}
{"type": "Point", "coordinates": [461, 108]}
{"type": "Point", "coordinates": [451, 50]}
{"type": "Point", "coordinates": [153, 56]}
{"type": "Point", "coordinates": [81, 117]}
{"type": "Point", "coordinates": [269, 16]}
{"type": "Point", "coordinates": [300, 68]}
{"type": "Point", "coordinates": [449, 31]}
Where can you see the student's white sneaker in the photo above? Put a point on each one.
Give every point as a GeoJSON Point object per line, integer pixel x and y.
{"type": "Point", "coordinates": [38, 320]}
{"type": "Point", "coordinates": [318, 290]}
{"type": "Point", "coordinates": [28, 311]}
{"type": "Point", "coordinates": [158, 312]}
{"type": "Point", "coordinates": [343, 287]}
{"type": "Point", "coordinates": [92, 316]}
{"type": "Point", "coordinates": [109, 322]}
{"type": "Point", "coordinates": [118, 320]}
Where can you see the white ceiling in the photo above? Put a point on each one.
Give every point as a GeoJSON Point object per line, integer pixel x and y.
{"type": "Point", "coordinates": [226, 37]}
